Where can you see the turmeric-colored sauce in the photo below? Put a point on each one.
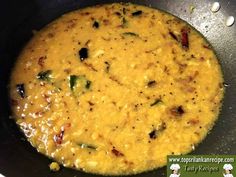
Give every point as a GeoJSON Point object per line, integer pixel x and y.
{"type": "Point", "coordinates": [114, 89]}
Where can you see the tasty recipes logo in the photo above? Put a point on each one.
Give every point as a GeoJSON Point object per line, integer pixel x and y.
{"type": "Point", "coordinates": [201, 166]}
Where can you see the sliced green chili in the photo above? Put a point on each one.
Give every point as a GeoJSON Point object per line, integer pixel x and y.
{"type": "Point", "coordinates": [44, 75]}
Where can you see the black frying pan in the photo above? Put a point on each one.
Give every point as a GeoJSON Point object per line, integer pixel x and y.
{"type": "Point", "coordinates": [18, 18]}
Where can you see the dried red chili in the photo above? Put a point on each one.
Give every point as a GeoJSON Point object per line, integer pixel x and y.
{"type": "Point", "coordinates": [177, 111]}
{"type": "Point", "coordinates": [59, 137]}
{"type": "Point", "coordinates": [117, 153]}
{"type": "Point", "coordinates": [184, 38]}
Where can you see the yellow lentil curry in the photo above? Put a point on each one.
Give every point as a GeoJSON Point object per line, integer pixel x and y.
{"type": "Point", "coordinates": [114, 89]}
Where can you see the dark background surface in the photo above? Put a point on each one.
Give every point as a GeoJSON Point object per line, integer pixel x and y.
{"type": "Point", "coordinates": [19, 18]}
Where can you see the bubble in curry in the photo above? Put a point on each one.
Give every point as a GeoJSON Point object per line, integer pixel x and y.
{"type": "Point", "coordinates": [114, 89]}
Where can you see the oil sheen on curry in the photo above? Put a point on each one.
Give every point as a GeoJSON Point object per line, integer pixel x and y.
{"type": "Point", "coordinates": [114, 89]}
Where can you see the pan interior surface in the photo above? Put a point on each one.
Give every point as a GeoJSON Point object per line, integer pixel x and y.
{"type": "Point", "coordinates": [114, 89]}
